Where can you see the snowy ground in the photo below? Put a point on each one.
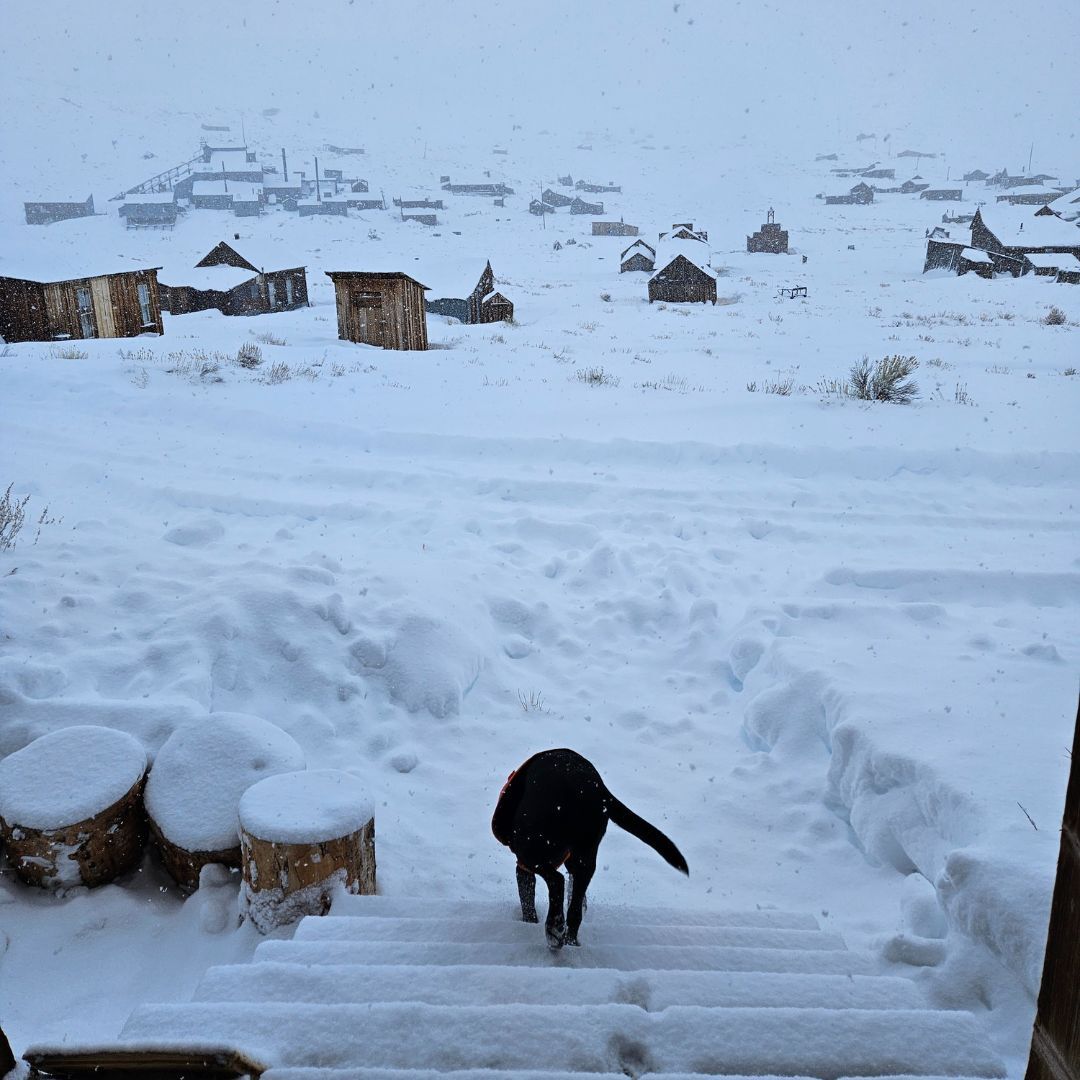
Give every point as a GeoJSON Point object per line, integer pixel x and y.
{"type": "Point", "coordinates": [829, 647]}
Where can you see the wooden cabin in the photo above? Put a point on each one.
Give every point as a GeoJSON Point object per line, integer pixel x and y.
{"type": "Point", "coordinates": [942, 194]}
{"type": "Point", "coordinates": [683, 281]}
{"type": "Point", "coordinates": [123, 304]}
{"type": "Point", "coordinates": [424, 217]}
{"type": "Point", "coordinates": [859, 195]}
{"type": "Point", "coordinates": [638, 256]}
{"type": "Point", "coordinates": [566, 181]}
{"type": "Point", "coordinates": [483, 305]}
{"type": "Point", "coordinates": [580, 206]}
{"type": "Point", "coordinates": [381, 308]}
{"type": "Point", "coordinates": [47, 213]}
{"type": "Point", "coordinates": [157, 209]}
{"type": "Point", "coordinates": [913, 186]}
{"type": "Point", "coordinates": [596, 189]}
{"type": "Point", "coordinates": [555, 198]}
{"type": "Point", "coordinates": [769, 238]}
{"type": "Point", "coordinates": [976, 174]}
{"type": "Point", "coordinates": [879, 174]}
{"type": "Point", "coordinates": [420, 204]}
{"type": "Point", "coordinates": [614, 228]}
{"type": "Point", "coordinates": [226, 281]}
{"type": "Point", "coordinates": [478, 189]}
{"type": "Point", "coordinates": [684, 230]}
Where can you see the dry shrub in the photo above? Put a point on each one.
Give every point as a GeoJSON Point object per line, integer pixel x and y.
{"type": "Point", "coordinates": [887, 379]}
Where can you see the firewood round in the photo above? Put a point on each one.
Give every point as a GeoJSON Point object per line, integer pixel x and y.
{"type": "Point", "coordinates": [71, 807]}
{"type": "Point", "coordinates": [302, 836]}
{"type": "Point", "coordinates": [194, 789]}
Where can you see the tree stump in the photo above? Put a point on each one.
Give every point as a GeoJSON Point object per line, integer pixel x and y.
{"type": "Point", "coordinates": [303, 835]}
{"type": "Point", "coordinates": [71, 807]}
{"type": "Point", "coordinates": [194, 788]}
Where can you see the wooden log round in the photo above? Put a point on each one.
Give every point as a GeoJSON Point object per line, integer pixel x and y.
{"type": "Point", "coordinates": [71, 807]}
{"type": "Point", "coordinates": [194, 789]}
{"type": "Point", "coordinates": [302, 836]}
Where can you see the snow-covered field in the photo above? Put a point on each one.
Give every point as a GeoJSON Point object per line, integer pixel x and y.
{"type": "Point", "coordinates": [829, 647]}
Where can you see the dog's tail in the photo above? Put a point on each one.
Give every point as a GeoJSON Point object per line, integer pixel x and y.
{"type": "Point", "coordinates": [626, 819]}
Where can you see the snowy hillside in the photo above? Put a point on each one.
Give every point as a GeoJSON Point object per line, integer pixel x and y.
{"type": "Point", "coordinates": [829, 646]}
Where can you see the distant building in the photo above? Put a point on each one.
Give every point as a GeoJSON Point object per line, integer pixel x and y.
{"type": "Point", "coordinates": [613, 228]}
{"type": "Point", "coordinates": [382, 308]}
{"type": "Point", "coordinates": [582, 185]}
{"type": "Point", "coordinates": [769, 238]}
{"type": "Point", "coordinates": [580, 206]}
{"type": "Point", "coordinates": [638, 256]}
{"type": "Point", "coordinates": [420, 204]}
{"type": "Point", "coordinates": [555, 198]}
{"type": "Point", "coordinates": [942, 194]}
{"type": "Point", "coordinates": [48, 213]}
{"type": "Point", "coordinates": [482, 305]}
{"type": "Point", "coordinates": [1035, 195]}
{"type": "Point", "coordinates": [976, 174]}
{"type": "Point", "coordinates": [685, 230]}
{"type": "Point", "coordinates": [478, 189]}
{"type": "Point", "coordinates": [879, 174]}
{"type": "Point", "coordinates": [913, 186]}
{"type": "Point", "coordinates": [111, 305]}
{"type": "Point", "coordinates": [144, 211]}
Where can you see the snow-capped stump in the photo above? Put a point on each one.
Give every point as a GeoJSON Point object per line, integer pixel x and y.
{"type": "Point", "coordinates": [193, 791]}
{"type": "Point", "coordinates": [302, 835]}
{"type": "Point", "coordinates": [71, 807]}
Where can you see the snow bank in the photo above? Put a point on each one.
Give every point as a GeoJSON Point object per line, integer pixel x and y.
{"type": "Point", "coordinates": [203, 769]}
{"type": "Point", "coordinates": [68, 776]}
{"type": "Point", "coordinates": [305, 807]}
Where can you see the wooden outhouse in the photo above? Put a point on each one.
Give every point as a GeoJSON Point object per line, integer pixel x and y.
{"type": "Point", "coordinates": [123, 304]}
{"type": "Point", "coordinates": [382, 308]}
{"type": "Point", "coordinates": [683, 281]}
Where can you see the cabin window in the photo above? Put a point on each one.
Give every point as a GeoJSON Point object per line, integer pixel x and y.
{"type": "Point", "coordinates": [289, 291]}
{"type": "Point", "coordinates": [85, 305]}
{"type": "Point", "coordinates": [144, 304]}
{"type": "Point", "coordinates": [271, 293]}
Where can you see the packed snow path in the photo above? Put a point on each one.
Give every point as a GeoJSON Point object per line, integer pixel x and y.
{"type": "Point", "coordinates": [430, 986]}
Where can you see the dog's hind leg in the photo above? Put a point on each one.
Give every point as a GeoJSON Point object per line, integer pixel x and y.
{"type": "Point", "coordinates": [555, 924]}
{"type": "Point", "coordinates": [526, 883]}
{"type": "Point", "coordinates": [581, 870]}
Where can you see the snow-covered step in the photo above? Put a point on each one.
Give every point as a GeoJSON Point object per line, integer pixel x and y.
{"type": "Point", "coordinates": [536, 954]}
{"type": "Point", "coordinates": [286, 1073]}
{"type": "Point", "coordinates": [600, 912]}
{"type": "Point", "coordinates": [468, 931]}
{"type": "Point", "coordinates": [479, 985]}
{"type": "Point", "coordinates": [581, 1038]}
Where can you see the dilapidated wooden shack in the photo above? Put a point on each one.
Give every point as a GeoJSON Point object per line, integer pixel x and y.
{"type": "Point", "coordinates": [48, 213]}
{"type": "Point", "coordinates": [482, 305]}
{"type": "Point", "coordinates": [44, 307]}
{"type": "Point", "coordinates": [382, 308]}
{"type": "Point", "coordinates": [638, 256]}
{"type": "Point", "coordinates": [614, 228]}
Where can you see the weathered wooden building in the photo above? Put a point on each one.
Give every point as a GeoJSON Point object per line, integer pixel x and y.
{"type": "Point", "coordinates": [683, 280]}
{"type": "Point", "coordinates": [482, 305]}
{"type": "Point", "coordinates": [879, 174]}
{"type": "Point", "coordinates": [226, 281]}
{"type": "Point", "coordinates": [942, 194]}
{"type": "Point", "coordinates": [859, 195]}
{"type": "Point", "coordinates": [157, 209]}
{"type": "Point", "coordinates": [478, 189]}
{"type": "Point", "coordinates": [769, 238]}
{"type": "Point", "coordinates": [976, 174]}
{"type": "Point", "coordinates": [684, 230]}
{"type": "Point", "coordinates": [539, 207]}
{"type": "Point", "coordinates": [1035, 195]}
{"type": "Point", "coordinates": [420, 204]}
{"type": "Point", "coordinates": [113, 305]}
{"type": "Point", "coordinates": [382, 308]}
{"type": "Point", "coordinates": [638, 256]}
{"type": "Point", "coordinates": [913, 186]}
{"type": "Point", "coordinates": [580, 206]}
{"type": "Point", "coordinates": [1017, 237]}
{"type": "Point", "coordinates": [566, 181]}
{"type": "Point", "coordinates": [614, 228]}
{"type": "Point", "coordinates": [596, 189]}
{"type": "Point", "coordinates": [556, 198]}
{"type": "Point", "coordinates": [323, 207]}
{"type": "Point", "coordinates": [422, 217]}
{"type": "Point", "coordinates": [47, 213]}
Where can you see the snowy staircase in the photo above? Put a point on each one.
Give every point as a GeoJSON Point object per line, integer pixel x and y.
{"type": "Point", "coordinates": [386, 987]}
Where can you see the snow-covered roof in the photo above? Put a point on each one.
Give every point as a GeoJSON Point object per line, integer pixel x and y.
{"type": "Point", "coordinates": [239, 190]}
{"type": "Point", "coordinates": [952, 234]}
{"type": "Point", "coordinates": [1024, 229]}
{"type": "Point", "coordinates": [219, 278]}
{"type": "Point", "coordinates": [668, 254]}
{"type": "Point", "coordinates": [1069, 199]}
{"type": "Point", "coordinates": [1051, 261]}
{"type": "Point", "coordinates": [975, 255]}
{"type": "Point", "coordinates": [230, 158]}
{"type": "Point", "coordinates": [149, 197]}
{"type": "Point", "coordinates": [264, 253]}
{"type": "Point", "coordinates": [68, 263]}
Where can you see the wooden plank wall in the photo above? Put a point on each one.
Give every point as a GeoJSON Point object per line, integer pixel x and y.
{"type": "Point", "coordinates": [398, 321]}
{"type": "Point", "coordinates": [1055, 1043]}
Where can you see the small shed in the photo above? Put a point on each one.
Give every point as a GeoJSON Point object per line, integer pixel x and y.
{"type": "Point", "coordinates": [47, 213]}
{"type": "Point", "coordinates": [45, 307]}
{"type": "Point", "coordinates": [683, 280]}
{"type": "Point", "coordinates": [614, 228]}
{"type": "Point", "coordinates": [638, 256]}
{"type": "Point", "coordinates": [483, 305]}
{"type": "Point", "coordinates": [769, 238]}
{"type": "Point", "coordinates": [382, 308]}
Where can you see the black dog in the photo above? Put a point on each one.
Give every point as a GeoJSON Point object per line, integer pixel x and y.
{"type": "Point", "coordinates": [553, 810]}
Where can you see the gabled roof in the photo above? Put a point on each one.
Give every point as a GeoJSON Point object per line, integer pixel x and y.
{"type": "Point", "coordinates": [334, 274]}
{"type": "Point", "coordinates": [217, 278]}
{"type": "Point", "coordinates": [639, 243]}
{"type": "Point", "coordinates": [698, 264]}
{"type": "Point", "coordinates": [1028, 230]}
{"type": "Point", "coordinates": [1053, 261]}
